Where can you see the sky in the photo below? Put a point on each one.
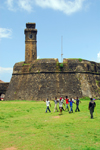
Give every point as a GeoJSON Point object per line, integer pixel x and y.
{"type": "Point", "coordinates": [76, 22]}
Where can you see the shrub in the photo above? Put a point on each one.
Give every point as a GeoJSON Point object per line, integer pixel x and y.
{"type": "Point", "coordinates": [80, 59]}
{"type": "Point", "coordinates": [61, 65]}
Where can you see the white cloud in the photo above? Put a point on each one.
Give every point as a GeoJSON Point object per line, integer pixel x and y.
{"type": "Point", "coordinates": [20, 4]}
{"type": "Point", "coordinates": [5, 33]}
{"type": "Point", "coordinates": [6, 70]}
{"type": "Point", "coordinates": [66, 6]}
{"type": "Point", "coordinates": [98, 57]}
{"type": "Point", "coordinates": [10, 5]}
{"type": "Point", "coordinates": [5, 74]}
{"type": "Point", "coordinates": [25, 4]}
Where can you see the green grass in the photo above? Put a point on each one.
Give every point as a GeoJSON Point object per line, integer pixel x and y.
{"type": "Point", "coordinates": [24, 125]}
{"type": "Point", "coordinates": [80, 59]}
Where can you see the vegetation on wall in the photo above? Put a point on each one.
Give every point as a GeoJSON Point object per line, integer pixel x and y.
{"type": "Point", "coordinates": [97, 82]}
{"type": "Point", "coordinates": [30, 69]}
{"type": "Point", "coordinates": [25, 64]}
{"type": "Point", "coordinates": [80, 59]}
{"type": "Point", "coordinates": [61, 65]}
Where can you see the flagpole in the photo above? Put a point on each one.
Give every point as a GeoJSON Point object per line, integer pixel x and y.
{"type": "Point", "coordinates": [62, 49]}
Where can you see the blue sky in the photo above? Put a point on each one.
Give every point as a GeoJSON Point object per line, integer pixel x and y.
{"type": "Point", "coordinates": [77, 21]}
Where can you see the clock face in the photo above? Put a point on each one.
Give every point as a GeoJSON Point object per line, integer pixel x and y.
{"type": "Point", "coordinates": [30, 36]}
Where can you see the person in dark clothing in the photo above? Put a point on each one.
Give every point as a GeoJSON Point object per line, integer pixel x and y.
{"type": "Point", "coordinates": [77, 104]}
{"type": "Point", "coordinates": [92, 104]}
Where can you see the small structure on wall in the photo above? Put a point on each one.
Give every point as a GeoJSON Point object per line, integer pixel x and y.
{"type": "Point", "coordinates": [38, 79]}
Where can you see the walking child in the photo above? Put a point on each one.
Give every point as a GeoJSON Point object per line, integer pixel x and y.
{"type": "Point", "coordinates": [60, 105]}
{"type": "Point", "coordinates": [55, 101]}
{"type": "Point", "coordinates": [63, 103]}
{"type": "Point", "coordinates": [77, 104]}
{"type": "Point", "coordinates": [67, 102]}
{"type": "Point", "coordinates": [47, 104]}
{"type": "Point", "coordinates": [71, 105]}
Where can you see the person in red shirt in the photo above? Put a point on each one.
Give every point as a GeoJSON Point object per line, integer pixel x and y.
{"type": "Point", "coordinates": [67, 102]}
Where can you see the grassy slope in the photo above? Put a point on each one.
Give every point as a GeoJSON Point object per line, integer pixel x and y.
{"type": "Point", "coordinates": [25, 126]}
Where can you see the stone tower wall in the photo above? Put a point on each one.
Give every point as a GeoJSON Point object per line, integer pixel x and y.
{"type": "Point", "coordinates": [30, 43]}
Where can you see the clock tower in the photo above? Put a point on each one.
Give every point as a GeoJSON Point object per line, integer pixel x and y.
{"type": "Point", "coordinates": [30, 42]}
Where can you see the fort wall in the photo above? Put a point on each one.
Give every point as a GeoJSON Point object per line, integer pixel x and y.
{"type": "Point", "coordinates": [47, 78]}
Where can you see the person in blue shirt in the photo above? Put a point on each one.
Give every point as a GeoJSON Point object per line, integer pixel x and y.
{"type": "Point", "coordinates": [71, 105]}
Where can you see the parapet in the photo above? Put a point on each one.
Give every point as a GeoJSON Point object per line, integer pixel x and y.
{"type": "Point", "coordinates": [39, 65]}
{"type": "Point", "coordinates": [81, 65]}
{"type": "Point", "coordinates": [47, 60]}
{"type": "Point", "coordinates": [30, 25]}
{"type": "Point", "coordinates": [53, 65]}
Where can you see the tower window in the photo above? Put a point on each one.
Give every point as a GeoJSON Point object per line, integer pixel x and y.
{"type": "Point", "coordinates": [30, 36]}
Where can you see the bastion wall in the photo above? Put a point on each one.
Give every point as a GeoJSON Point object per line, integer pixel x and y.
{"type": "Point", "coordinates": [47, 78]}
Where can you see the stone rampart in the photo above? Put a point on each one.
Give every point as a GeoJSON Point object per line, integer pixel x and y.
{"type": "Point", "coordinates": [47, 78]}
{"type": "Point", "coordinates": [53, 65]}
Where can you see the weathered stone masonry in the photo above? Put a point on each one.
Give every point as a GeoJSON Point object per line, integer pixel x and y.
{"type": "Point", "coordinates": [37, 79]}
{"type": "Point", "coordinates": [44, 78]}
{"type": "Point", "coordinates": [3, 87]}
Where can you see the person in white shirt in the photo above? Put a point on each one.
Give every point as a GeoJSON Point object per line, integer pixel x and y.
{"type": "Point", "coordinates": [47, 104]}
{"type": "Point", "coordinates": [55, 101]}
{"type": "Point", "coordinates": [60, 105]}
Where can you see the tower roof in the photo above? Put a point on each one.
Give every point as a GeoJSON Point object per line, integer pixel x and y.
{"type": "Point", "coordinates": [30, 25]}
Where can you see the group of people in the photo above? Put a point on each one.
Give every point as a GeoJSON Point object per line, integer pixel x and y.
{"type": "Point", "coordinates": [69, 102]}
{"type": "Point", "coordinates": [62, 101]}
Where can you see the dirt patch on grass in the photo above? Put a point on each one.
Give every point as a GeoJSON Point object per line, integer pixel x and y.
{"type": "Point", "coordinates": [11, 148]}
{"type": "Point", "coordinates": [56, 117]}
{"type": "Point", "coordinates": [97, 143]}
{"type": "Point", "coordinates": [69, 148]}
